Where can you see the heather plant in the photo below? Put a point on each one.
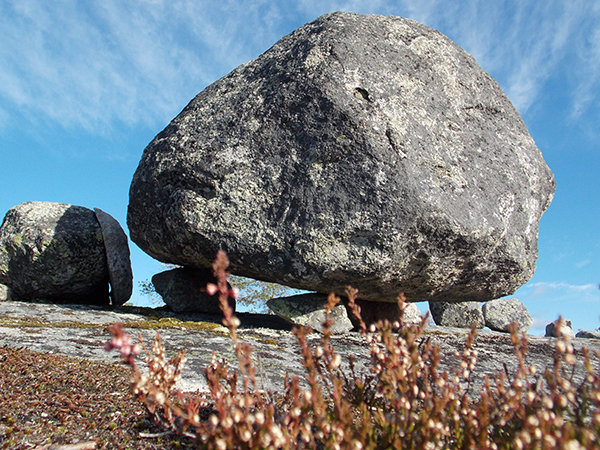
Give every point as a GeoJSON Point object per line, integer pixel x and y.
{"type": "Point", "coordinates": [402, 401]}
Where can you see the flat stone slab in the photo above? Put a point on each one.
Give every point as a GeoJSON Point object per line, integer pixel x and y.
{"type": "Point", "coordinates": [117, 256]}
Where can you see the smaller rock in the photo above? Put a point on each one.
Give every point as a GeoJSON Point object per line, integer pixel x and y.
{"type": "Point", "coordinates": [309, 310]}
{"type": "Point", "coordinates": [461, 315]}
{"type": "Point", "coordinates": [184, 290]}
{"type": "Point", "coordinates": [117, 257]}
{"type": "Point", "coordinates": [588, 334]}
{"type": "Point", "coordinates": [54, 252]}
{"type": "Point", "coordinates": [552, 329]}
{"type": "Point", "coordinates": [372, 312]}
{"type": "Point", "coordinates": [5, 293]}
{"type": "Point", "coordinates": [500, 313]}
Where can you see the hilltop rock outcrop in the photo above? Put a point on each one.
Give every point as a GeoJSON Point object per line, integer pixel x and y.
{"type": "Point", "coordinates": [360, 149]}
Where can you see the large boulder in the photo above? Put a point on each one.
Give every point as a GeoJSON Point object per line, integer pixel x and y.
{"type": "Point", "coordinates": [53, 251]}
{"type": "Point", "coordinates": [359, 149]}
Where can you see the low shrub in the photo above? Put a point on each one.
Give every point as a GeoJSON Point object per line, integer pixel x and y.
{"type": "Point", "coordinates": [404, 400]}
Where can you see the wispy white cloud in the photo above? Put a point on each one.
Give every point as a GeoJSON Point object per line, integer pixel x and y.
{"type": "Point", "coordinates": [584, 263]}
{"type": "Point", "coordinates": [138, 62]}
{"type": "Point", "coordinates": [588, 76]}
{"type": "Point", "coordinates": [565, 288]}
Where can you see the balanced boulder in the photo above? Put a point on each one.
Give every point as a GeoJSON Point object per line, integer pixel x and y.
{"type": "Point", "coordinates": [359, 150]}
{"type": "Point", "coordinates": [53, 251]}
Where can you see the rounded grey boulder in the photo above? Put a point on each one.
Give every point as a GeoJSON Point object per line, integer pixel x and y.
{"type": "Point", "coordinates": [53, 251]}
{"type": "Point", "coordinates": [359, 150]}
{"type": "Point", "coordinates": [5, 293]}
{"type": "Point", "coordinates": [500, 313]}
{"type": "Point", "coordinates": [372, 312]}
{"type": "Point", "coordinates": [588, 334]}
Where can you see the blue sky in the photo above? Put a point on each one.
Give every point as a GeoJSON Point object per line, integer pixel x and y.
{"type": "Point", "coordinates": [85, 86]}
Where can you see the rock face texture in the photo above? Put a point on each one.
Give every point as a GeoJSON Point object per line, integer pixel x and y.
{"type": "Point", "coordinates": [500, 313]}
{"type": "Point", "coordinates": [117, 257]}
{"type": "Point", "coordinates": [460, 315]}
{"type": "Point", "coordinates": [359, 149]}
{"type": "Point", "coordinates": [183, 290]}
{"type": "Point", "coordinates": [53, 251]}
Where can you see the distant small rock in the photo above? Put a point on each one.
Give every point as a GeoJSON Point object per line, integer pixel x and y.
{"type": "Point", "coordinates": [309, 310]}
{"type": "Point", "coordinates": [184, 290]}
{"type": "Point", "coordinates": [500, 313]}
{"type": "Point", "coordinates": [54, 251]}
{"type": "Point", "coordinates": [566, 330]}
{"type": "Point", "coordinates": [588, 334]}
{"type": "Point", "coordinates": [461, 315]}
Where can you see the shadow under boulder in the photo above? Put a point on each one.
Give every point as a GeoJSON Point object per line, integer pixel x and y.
{"type": "Point", "coordinates": [184, 290]}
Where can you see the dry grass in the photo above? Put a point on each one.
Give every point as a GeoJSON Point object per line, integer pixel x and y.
{"type": "Point", "coordinates": [57, 400]}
